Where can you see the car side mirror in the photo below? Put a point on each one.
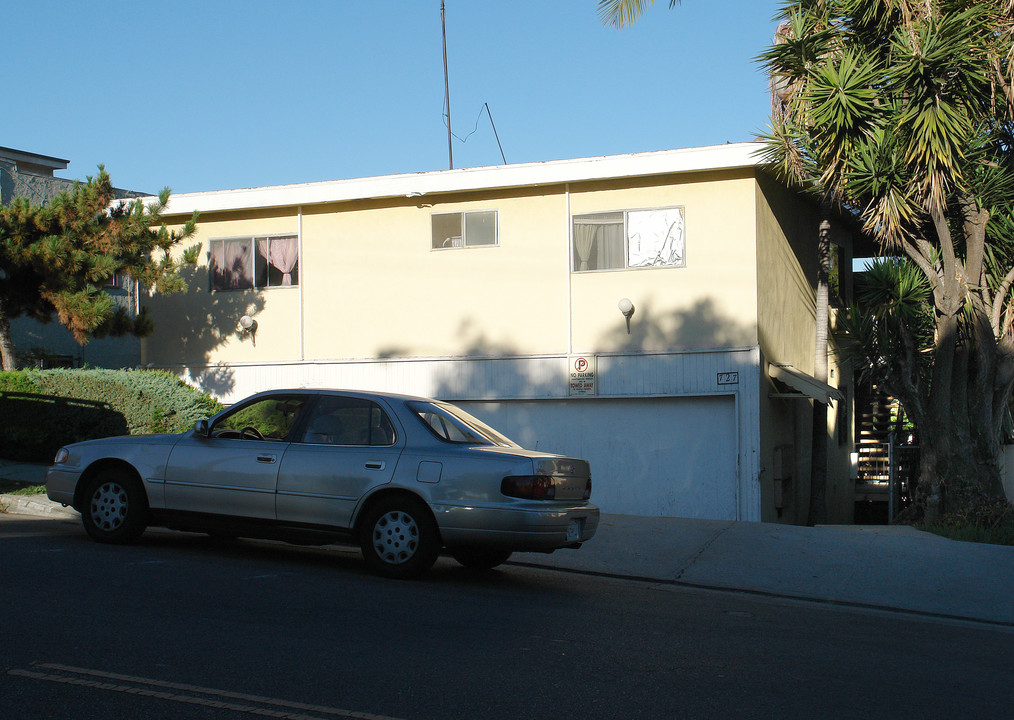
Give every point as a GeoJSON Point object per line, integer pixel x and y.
{"type": "Point", "coordinates": [201, 429]}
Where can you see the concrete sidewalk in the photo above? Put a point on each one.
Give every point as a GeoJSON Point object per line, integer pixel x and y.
{"type": "Point", "coordinates": [894, 567]}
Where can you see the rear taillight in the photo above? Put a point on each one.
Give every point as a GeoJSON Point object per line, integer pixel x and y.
{"type": "Point", "coordinates": [587, 489]}
{"type": "Point", "coordinates": [529, 487]}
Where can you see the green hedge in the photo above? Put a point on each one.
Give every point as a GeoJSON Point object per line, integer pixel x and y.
{"type": "Point", "coordinates": [40, 410]}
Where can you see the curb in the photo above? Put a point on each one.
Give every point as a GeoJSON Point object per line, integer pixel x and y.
{"type": "Point", "coordinates": [34, 505]}
{"type": "Point", "coordinates": [802, 598]}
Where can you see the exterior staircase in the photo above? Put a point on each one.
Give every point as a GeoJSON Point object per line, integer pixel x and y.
{"type": "Point", "coordinates": [878, 419]}
{"type": "Point", "coordinates": [881, 416]}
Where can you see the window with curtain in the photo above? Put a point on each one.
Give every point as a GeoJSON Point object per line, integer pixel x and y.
{"type": "Point", "coordinates": [629, 239]}
{"type": "Point", "coordinates": [464, 229]}
{"type": "Point", "coordinates": [254, 262]}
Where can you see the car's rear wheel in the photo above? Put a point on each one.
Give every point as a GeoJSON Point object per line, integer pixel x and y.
{"type": "Point", "coordinates": [115, 508]}
{"type": "Point", "coordinates": [480, 558]}
{"type": "Point", "coordinates": [399, 538]}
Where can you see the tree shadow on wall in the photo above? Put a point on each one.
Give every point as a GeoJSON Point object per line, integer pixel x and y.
{"type": "Point", "coordinates": [703, 326]}
{"type": "Point", "coordinates": [497, 370]}
{"type": "Point", "coordinates": [190, 326]}
{"type": "Point", "coordinates": [505, 371]}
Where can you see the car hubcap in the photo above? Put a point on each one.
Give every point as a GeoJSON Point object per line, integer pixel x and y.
{"type": "Point", "coordinates": [396, 537]}
{"type": "Point", "coordinates": [109, 506]}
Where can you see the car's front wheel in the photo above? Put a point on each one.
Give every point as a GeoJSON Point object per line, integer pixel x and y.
{"type": "Point", "coordinates": [399, 538]}
{"type": "Point", "coordinates": [115, 508]}
{"type": "Point", "coordinates": [480, 558]}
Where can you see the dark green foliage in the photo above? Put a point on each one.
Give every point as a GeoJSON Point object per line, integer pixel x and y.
{"type": "Point", "coordinates": [44, 409]}
{"type": "Point", "coordinates": [979, 518]}
{"type": "Point", "coordinates": [887, 335]}
{"type": "Point", "coordinates": [38, 425]}
{"type": "Point", "coordinates": [56, 258]}
{"type": "Point", "coordinates": [16, 382]}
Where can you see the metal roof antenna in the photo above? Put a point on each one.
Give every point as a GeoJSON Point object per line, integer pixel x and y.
{"type": "Point", "coordinates": [447, 91]}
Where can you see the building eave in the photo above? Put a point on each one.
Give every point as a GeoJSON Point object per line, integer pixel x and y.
{"type": "Point", "coordinates": [47, 161]}
{"type": "Point", "coordinates": [418, 185]}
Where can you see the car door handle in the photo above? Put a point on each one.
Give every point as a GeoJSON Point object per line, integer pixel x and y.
{"type": "Point", "coordinates": [266, 458]}
{"type": "Point", "coordinates": [375, 465]}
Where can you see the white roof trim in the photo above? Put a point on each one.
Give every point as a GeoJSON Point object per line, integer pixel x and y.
{"type": "Point", "coordinates": [716, 157]}
{"type": "Point", "coordinates": [807, 386]}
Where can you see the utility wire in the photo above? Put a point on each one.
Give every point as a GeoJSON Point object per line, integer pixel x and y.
{"type": "Point", "coordinates": [463, 140]}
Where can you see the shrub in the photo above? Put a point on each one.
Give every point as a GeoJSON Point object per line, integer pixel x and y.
{"type": "Point", "coordinates": [975, 517]}
{"type": "Point", "coordinates": [17, 382]}
{"type": "Point", "coordinates": [45, 409]}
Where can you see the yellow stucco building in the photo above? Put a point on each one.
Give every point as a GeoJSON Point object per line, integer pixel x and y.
{"type": "Point", "coordinates": [653, 313]}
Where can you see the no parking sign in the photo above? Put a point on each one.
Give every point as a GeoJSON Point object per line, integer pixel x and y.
{"type": "Point", "coordinates": [583, 375]}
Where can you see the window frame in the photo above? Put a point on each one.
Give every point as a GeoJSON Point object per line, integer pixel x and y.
{"type": "Point", "coordinates": [465, 245]}
{"type": "Point", "coordinates": [118, 281]}
{"type": "Point", "coordinates": [625, 214]}
{"type": "Point", "coordinates": [252, 241]}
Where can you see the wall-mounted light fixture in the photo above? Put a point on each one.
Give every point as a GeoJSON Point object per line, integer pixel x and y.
{"type": "Point", "coordinates": [248, 326]}
{"type": "Point", "coordinates": [627, 308]}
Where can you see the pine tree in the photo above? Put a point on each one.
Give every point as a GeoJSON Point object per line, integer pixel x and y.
{"type": "Point", "coordinates": [56, 258]}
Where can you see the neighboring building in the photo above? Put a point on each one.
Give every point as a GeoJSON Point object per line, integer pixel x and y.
{"type": "Point", "coordinates": [502, 289]}
{"type": "Point", "coordinates": [29, 175]}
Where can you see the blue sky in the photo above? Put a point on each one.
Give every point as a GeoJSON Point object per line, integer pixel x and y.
{"type": "Point", "coordinates": [224, 94]}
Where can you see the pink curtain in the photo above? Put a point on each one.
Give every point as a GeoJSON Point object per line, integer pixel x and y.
{"type": "Point", "coordinates": [231, 265]}
{"type": "Point", "coordinates": [282, 253]}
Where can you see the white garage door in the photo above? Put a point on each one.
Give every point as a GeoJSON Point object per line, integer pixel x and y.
{"type": "Point", "coordinates": [668, 457]}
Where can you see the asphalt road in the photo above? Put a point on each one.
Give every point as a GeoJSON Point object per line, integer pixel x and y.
{"type": "Point", "coordinates": [184, 626]}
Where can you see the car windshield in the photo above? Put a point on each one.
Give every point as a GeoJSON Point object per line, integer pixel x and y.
{"type": "Point", "coordinates": [453, 424]}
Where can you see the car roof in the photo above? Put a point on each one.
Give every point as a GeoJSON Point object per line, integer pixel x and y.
{"type": "Point", "coordinates": [343, 391]}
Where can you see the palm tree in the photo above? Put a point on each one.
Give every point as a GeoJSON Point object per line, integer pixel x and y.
{"type": "Point", "coordinates": [620, 13]}
{"type": "Point", "coordinates": [903, 111]}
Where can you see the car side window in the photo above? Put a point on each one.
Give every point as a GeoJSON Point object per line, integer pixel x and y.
{"type": "Point", "coordinates": [348, 421]}
{"type": "Point", "coordinates": [267, 419]}
{"type": "Point", "coordinates": [454, 425]}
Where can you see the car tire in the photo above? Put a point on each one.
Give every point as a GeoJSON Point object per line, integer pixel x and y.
{"type": "Point", "coordinates": [480, 558]}
{"type": "Point", "coordinates": [399, 538]}
{"type": "Point", "coordinates": [115, 508]}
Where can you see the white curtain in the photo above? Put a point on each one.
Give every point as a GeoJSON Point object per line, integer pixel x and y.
{"type": "Point", "coordinates": [610, 246]}
{"type": "Point", "coordinates": [584, 238]}
{"type": "Point", "coordinates": [598, 241]}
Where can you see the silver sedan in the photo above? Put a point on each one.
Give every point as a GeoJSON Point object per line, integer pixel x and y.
{"type": "Point", "coordinates": [403, 477]}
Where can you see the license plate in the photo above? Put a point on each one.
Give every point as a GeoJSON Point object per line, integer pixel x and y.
{"type": "Point", "coordinates": [574, 531]}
